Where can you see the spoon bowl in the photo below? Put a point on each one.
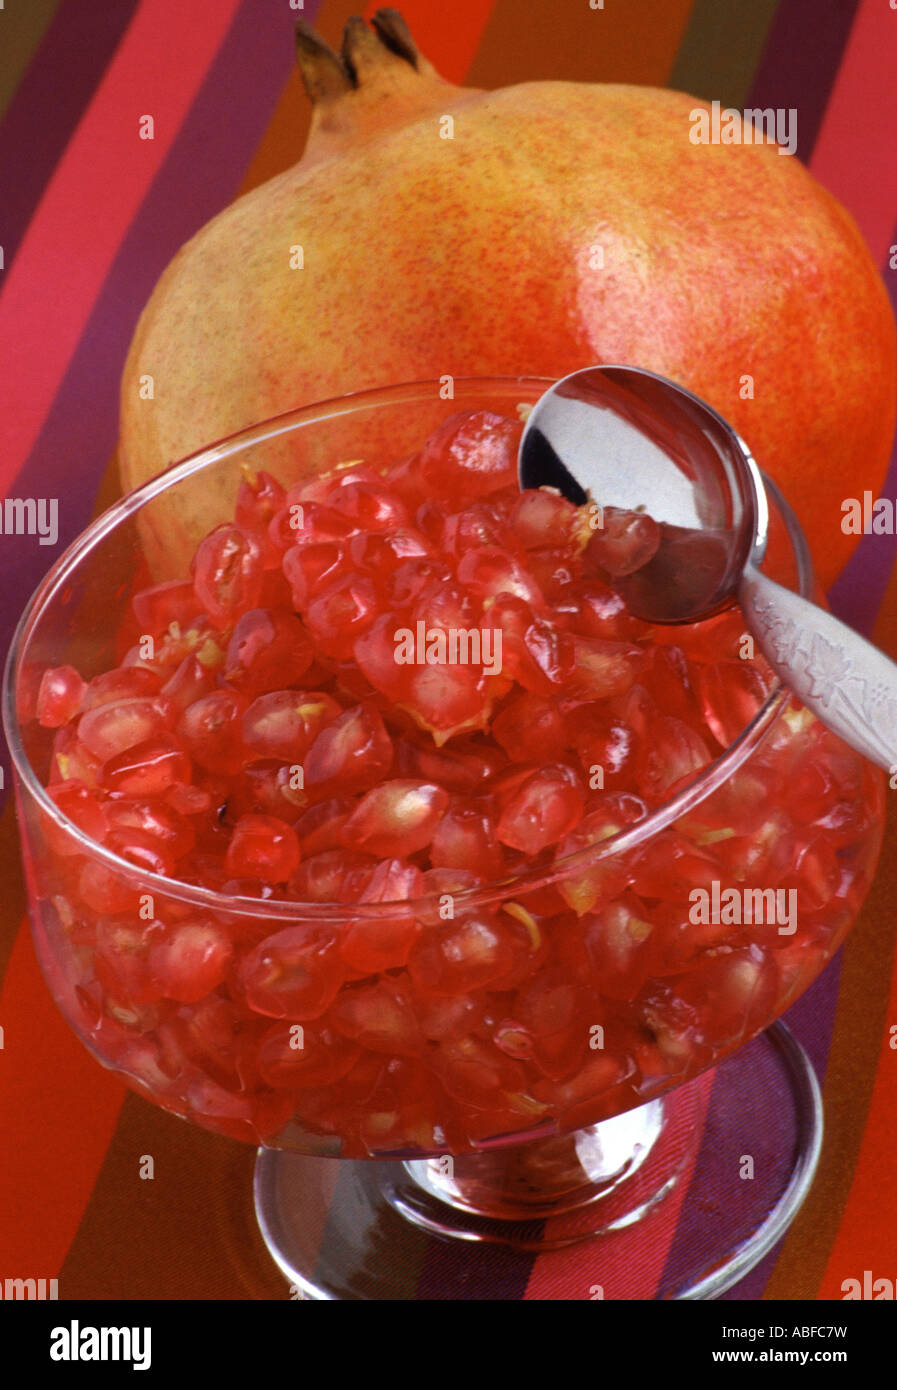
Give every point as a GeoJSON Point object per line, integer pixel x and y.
{"type": "Point", "coordinates": [677, 491]}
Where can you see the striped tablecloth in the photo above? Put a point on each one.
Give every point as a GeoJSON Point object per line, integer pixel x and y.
{"type": "Point", "coordinates": [89, 217]}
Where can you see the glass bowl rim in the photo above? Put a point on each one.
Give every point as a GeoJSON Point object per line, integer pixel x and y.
{"type": "Point", "coordinates": [492, 892]}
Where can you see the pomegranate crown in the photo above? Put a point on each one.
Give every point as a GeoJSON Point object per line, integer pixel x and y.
{"type": "Point", "coordinates": [377, 82]}
{"type": "Point", "coordinates": [365, 53]}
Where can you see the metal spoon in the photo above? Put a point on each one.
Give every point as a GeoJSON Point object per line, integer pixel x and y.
{"type": "Point", "coordinates": [630, 439]}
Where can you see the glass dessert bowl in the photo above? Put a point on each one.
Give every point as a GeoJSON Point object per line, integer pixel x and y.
{"type": "Point", "coordinates": [361, 820]}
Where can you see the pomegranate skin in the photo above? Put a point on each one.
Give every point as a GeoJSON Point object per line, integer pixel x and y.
{"type": "Point", "coordinates": [561, 224]}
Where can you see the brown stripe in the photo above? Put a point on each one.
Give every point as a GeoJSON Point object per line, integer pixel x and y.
{"type": "Point", "coordinates": [722, 48]}
{"type": "Point", "coordinates": [189, 1232]}
{"type": "Point", "coordinates": [23, 24]}
{"type": "Point", "coordinates": [860, 1021]}
{"type": "Point", "coordinates": [528, 41]}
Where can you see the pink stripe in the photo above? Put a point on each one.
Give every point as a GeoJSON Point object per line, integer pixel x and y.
{"type": "Point", "coordinates": [854, 154]}
{"type": "Point", "coordinates": [86, 210]}
{"type": "Point", "coordinates": [626, 1264]}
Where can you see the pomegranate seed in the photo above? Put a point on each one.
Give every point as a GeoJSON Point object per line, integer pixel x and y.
{"type": "Point", "coordinates": [82, 807]}
{"type": "Point", "coordinates": [190, 961]}
{"type": "Point", "coordinates": [599, 611]}
{"type": "Point", "coordinates": [447, 700]}
{"type": "Point", "coordinates": [602, 669]}
{"type": "Point", "coordinates": [544, 809]}
{"type": "Point", "coordinates": [267, 651]}
{"type": "Point", "coordinates": [149, 822]}
{"type": "Point", "coordinates": [211, 731]}
{"type": "Point", "coordinates": [381, 553]}
{"type": "Point", "coordinates": [490, 571]}
{"type": "Point", "coordinates": [369, 505]}
{"type": "Point", "coordinates": [412, 578]}
{"type": "Point", "coordinates": [618, 940]}
{"type": "Point", "coordinates": [294, 974]}
{"type": "Point", "coordinates": [731, 694]}
{"type": "Point", "coordinates": [111, 729]}
{"type": "Point", "coordinates": [147, 769]}
{"type": "Point", "coordinates": [113, 687]}
{"type": "Point", "coordinates": [461, 956]}
{"type": "Point", "coordinates": [285, 723]}
{"type": "Point", "coordinates": [626, 541]}
{"type": "Point", "coordinates": [465, 838]}
{"type": "Point", "coordinates": [313, 567]}
{"type": "Point", "coordinates": [341, 613]}
{"type": "Point", "coordinates": [583, 887]}
{"type": "Point", "coordinates": [472, 454]}
{"type": "Point", "coordinates": [259, 499]}
{"type": "Point", "coordinates": [334, 875]}
{"type": "Point", "coordinates": [530, 727]}
{"type": "Point", "coordinates": [190, 681]}
{"type": "Point", "coordinates": [398, 817]}
{"type": "Point", "coordinates": [227, 572]}
{"type": "Point", "coordinates": [603, 744]}
{"type": "Point", "coordinates": [473, 529]}
{"type": "Point", "coordinates": [157, 608]}
{"type": "Point", "coordinates": [270, 787]}
{"type": "Point", "coordinates": [323, 1059]}
{"type": "Point", "coordinates": [262, 847]}
{"type": "Point", "coordinates": [122, 959]}
{"type": "Point", "coordinates": [59, 696]}
{"type": "Point", "coordinates": [463, 766]}
{"type": "Point", "coordinates": [542, 517]}
{"type": "Point", "coordinates": [672, 751]}
{"type": "Point", "coordinates": [320, 827]}
{"type": "Point", "coordinates": [380, 1018]}
{"type": "Point", "coordinates": [352, 751]}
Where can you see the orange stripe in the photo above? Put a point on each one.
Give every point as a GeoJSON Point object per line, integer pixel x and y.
{"type": "Point", "coordinates": [867, 1235]}
{"type": "Point", "coordinates": [854, 152]}
{"type": "Point", "coordinates": [60, 1110]}
{"type": "Point", "coordinates": [89, 204]}
{"type": "Point", "coordinates": [530, 41]}
{"type": "Point", "coordinates": [848, 1091]}
{"type": "Point", "coordinates": [867, 1238]}
{"type": "Point", "coordinates": [449, 39]}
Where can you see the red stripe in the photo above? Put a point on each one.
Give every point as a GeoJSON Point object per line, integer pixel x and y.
{"type": "Point", "coordinates": [89, 204]}
{"type": "Point", "coordinates": [447, 37]}
{"type": "Point", "coordinates": [854, 153]}
{"type": "Point", "coordinates": [854, 157]}
{"type": "Point", "coordinates": [867, 1237]}
{"type": "Point", "coordinates": [59, 1113]}
{"type": "Point", "coordinates": [628, 1263]}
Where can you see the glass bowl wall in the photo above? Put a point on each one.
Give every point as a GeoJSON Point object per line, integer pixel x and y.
{"type": "Point", "coordinates": [582, 989]}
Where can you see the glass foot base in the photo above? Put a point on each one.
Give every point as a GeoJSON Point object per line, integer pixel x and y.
{"type": "Point", "coordinates": [678, 1199]}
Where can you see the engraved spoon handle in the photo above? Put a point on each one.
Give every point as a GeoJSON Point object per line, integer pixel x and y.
{"type": "Point", "coordinates": [841, 677]}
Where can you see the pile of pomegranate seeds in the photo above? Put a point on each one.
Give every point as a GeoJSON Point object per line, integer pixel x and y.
{"type": "Point", "coordinates": [377, 688]}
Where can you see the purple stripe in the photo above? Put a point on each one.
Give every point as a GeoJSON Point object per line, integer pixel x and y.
{"type": "Point", "coordinates": [49, 103]}
{"type": "Point", "coordinates": [201, 175]}
{"type": "Point", "coordinates": [812, 1021]}
{"type": "Point", "coordinates": [746, 1116]}
{"type": "Point", "coordinates": [796, 72]}
{"type": "Point", "coordinates": [858, 592]}
{"type": "Point", "coordinates": [485, 1272]}
{"type": "Point", "coordinates": [800, 62]}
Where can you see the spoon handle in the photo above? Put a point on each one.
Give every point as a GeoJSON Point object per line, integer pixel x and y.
{"type": "Point", "coordinates": [841, 677]}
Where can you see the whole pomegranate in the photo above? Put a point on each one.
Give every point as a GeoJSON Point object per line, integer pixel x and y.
{"type": "Point", "coordinates": [432, 230]}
